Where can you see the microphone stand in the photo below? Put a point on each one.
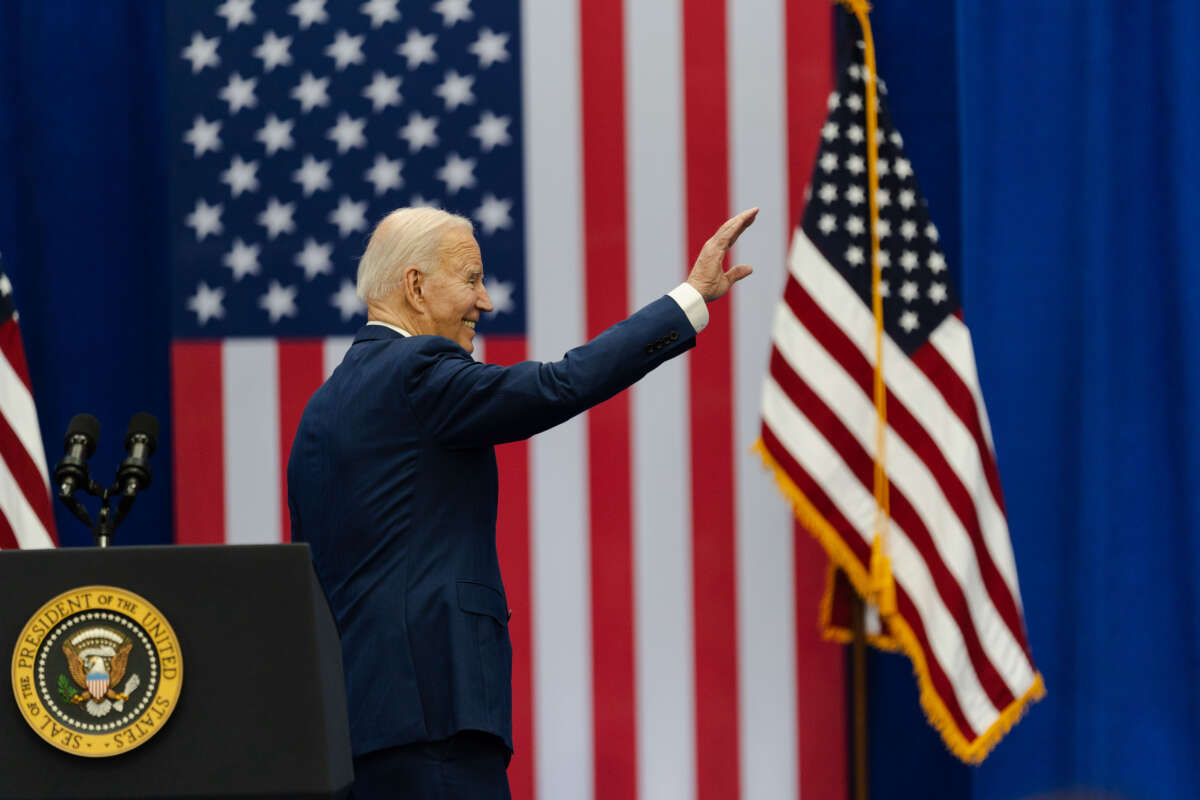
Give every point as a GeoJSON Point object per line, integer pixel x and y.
{"type": "Point", "coordinates": [106, 521]}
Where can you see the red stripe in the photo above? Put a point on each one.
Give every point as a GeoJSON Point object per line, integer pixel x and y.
{"type": "Point", "coordinates": [900, 419]}
{"type": "Point", "coordinates": [820, 666]}
{"type": "Point", "coordinates": [199, 442]}
{"type": "Point", "coordinates": [860, 463]}
{"type": "Point", "coordinates": [816, 495]}
{"type": "Point", "coordinates": [609, 459]}
{"type": "Point", "coordinates": [710, 373]}
{"type": "Point", "coordinates": [27, 475]}
{"type": "Point", "coordinates": [512, 542]}
{"type": "Point", "coordinates": [8, 539]}
{"type": "Point", "coordinates": [301, 368]}
{"type": "Point", "coordinates": [14, 350]}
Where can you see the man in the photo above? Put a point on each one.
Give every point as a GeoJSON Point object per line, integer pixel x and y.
{"type": "Point", "coordinates": [392, 481]}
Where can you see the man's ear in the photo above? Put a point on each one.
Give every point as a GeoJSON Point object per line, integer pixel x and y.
{"type": "Point", "coordinates": [414, 286]}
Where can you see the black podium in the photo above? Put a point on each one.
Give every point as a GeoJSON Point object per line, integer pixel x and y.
{"type": "Point", "coordinates": [261, 708]}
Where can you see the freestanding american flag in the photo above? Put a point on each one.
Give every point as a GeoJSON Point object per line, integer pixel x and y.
{"type": "Point", "coordinates": [959, 615]}
{"type": "Point", "coordinates": [653, 574]}
{"type": "Point", "coordinates": [26, 518]}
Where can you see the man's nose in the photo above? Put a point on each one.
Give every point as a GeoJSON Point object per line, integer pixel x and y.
{"type": "Point", "coordinates": [483, 301]}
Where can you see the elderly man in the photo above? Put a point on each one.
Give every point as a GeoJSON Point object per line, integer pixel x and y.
{"type": "Point", "coordinates": [392, 481]}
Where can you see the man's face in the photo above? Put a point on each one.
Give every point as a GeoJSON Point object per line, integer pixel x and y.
{"type": "Point", "coordinates": [454, 294]}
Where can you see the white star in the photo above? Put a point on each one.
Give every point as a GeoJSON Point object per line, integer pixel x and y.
{"type": "Point", "coordinates": [855, 164]}
{"type": "Point", "coordinates": [903, 168]}
{"type": "Point", "coordinates": [277, 218]}
{"type": "Point", "coordinates": [896, 139]}
{"type": "Point", "coordinates": [829, 131]}
{"type": "Point", "coordinates": [236, 12]}
{"type": "Point", "coordinates": [308, 11]}
{"type": "Point", "coordinates": [854, 255]}
{"type": "Point", "coordinates": [909, 291]}
{"type": "Point", "coordinates": [455, 90]}
{"type": "Point", "coordinates": [931, 232]}
{"type": "Point", "coordinates": [383, 91]}
{"type": "Point", "coordinates": [854, 103]}
{"type": "Point", "coordinates": [279, 301]}
{"type": "Point", "coordinates": [241, 176]}
{"type": "Point", "coordinates": [349, 216]}
{"type": "Point", "coordinates": [385, 174]}
{"type": "Point", "coordinates": [501, 294]}
{"type": "Point", "coordinates": [885, 258]}
{"type": "Point", "coordinates": [855, 134]}
{"type": "Point", "coordinates": [494, 214]}
{"type": "Point", "coordinates": [5, 285]}
{"type": "Point", "coordinates": [827, 224]}
{"type": "Point", "coordinates": [345, 50]}
{"type": "Point", "coordinates": [937, 293]}
{"type": "Point", "coordinates": [828, 162]}
{"type": "Point", "coordinates": [274, 51]}
{"type": "Point", "coordinates": [883, 228]}
{"type": "Point", "coordinates": [908, 229]}
{"type": "Point", "coordinates": [854, 226]}
{"type": "Point", "coordinates": [936, 262]}
{"type": "Point", "coordinates": [419, 131]}
{"type": "Point", "coordinates": [854, 72]}
{"type": "Point", "coordinates": [418, 48]}
{"type": "Point", "coordinates": [834, 101]}
{"type": "Point", "coordinates": [457, 173]}
{"type": "Point", "coordinates": [828, 193]}
{"type": "Point", "coordinates": [489, 47]}
{"type": "Point", "coordinates": [453, 11]}
{"type": "Point", "coordinates": [314, 259]}
{"type": "Point", "coordinates": [205, 219]}
{"type": "Point", "coordinates": [345, 300]}
{"type": "Point", "coordinates": [908, 321]}
{"type": "Point", "coordinates": [491, 131]}
{"type": "Point", "coordinates": [242, 259]}
{"type": "Point", "coordinates": [380, 12]}
{"type": "Point", "coordinates": [275, 135]}
{"type": "Point", "coordinates": [908, 198]}
{"type": "Point", "coordinates": [885, 290]}
{"type": "Point", "coordinates": [908, 260]}
{"type": "Point", "coordinates": [206, 303]}
{"type": "Point", "coordinates": [202, 52]}
{"type": "Point", "coordinates": [420, 201]}
{"type": "Point", "coordinates": [348, 132]}
{"type": "Point", "coordinates": [313, 175]}
{"type": "Point", "coordinates": [239, 93]}
{"type": "Point", "coordinates": [203, 136]}
{"type": "Point", "coordinates": [883, 198]}
{"type": "Point", "coordinates": [881, 166]}
{"type": "Point", "coordinates": [855, 194]}
{"type": "Point", "coordinates": [311, 92]}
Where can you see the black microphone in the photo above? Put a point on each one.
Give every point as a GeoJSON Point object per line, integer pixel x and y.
{"type": "Point", "coordinates": [141, 440]}
{"type": "Point", "coordinates": [79, 444]}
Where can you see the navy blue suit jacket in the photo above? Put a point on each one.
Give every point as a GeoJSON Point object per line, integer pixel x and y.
{"type": "Point", "coordinates": [392, 482]}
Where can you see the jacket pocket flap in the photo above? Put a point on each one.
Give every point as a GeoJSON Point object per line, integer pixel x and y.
{"type": "Point", "coordinates": [479, 598]}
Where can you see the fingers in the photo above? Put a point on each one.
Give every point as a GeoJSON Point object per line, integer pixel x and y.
{"type": "Point", "coordinates": [733, 227]}
{"type": "Point", "coordinates": [737, 273]}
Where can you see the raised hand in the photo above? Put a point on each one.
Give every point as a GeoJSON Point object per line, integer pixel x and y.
{"type": "Point", "coordinates": [708, 276]}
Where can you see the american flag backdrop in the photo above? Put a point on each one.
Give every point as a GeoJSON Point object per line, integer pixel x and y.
{"type": "Point", "coordinates": [664, 612]}
{"type": "Point", "coordinates": [959, 615]}
{"type": "Point", "coordinates": [26, 516]}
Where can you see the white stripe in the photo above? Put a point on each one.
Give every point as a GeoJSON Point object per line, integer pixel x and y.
{"type": "Point", "coordinates": [767, 689]}
{"type": "Point", "coordinates": [910, 475]}
{"type": "Point", "coordinates": [913, 388]}
{"type": "Point", "coordinates": [333, 351]}
{"type": "Point", "coordinates": [818, 458]}
{"type": "Point", "coordinates": [953, 340]}
{"type": "Point", "coordinates": [250, 399]}
{"type": "Point", "coordinates": [562, 657]}
{"type": "Point", "coordinates": [662, 574]}
{"type": "Point", "coordinates": [16, 406]}
{"type": "Point", "coordinates": [23, 520]}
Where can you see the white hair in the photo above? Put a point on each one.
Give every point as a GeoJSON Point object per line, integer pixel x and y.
{"type": "Point", "coordinates": [406, 237]}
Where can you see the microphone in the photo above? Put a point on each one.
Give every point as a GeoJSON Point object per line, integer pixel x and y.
{"type": "Point", "coordinates": [141, 440]}
{"type": "Point", "coordinates": [78, 445]}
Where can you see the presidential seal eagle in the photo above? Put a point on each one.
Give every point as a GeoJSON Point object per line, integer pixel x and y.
{"type": "Point", "coordinates": [97, 659]}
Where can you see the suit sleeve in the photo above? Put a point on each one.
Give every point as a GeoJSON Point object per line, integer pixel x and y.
{"type": "Point", "coordinates": [462, 403]}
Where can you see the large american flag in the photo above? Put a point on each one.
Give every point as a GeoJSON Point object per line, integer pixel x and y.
{"type": "Point", "coordinates": [26, 517]}
{"type": "Point", "coordinates": [959, 616]}
{"type": "Point", "coordinates": [664, 643]}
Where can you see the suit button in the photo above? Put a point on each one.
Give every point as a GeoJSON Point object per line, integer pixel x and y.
{"type": "Point", "coordinates": [674, 336]}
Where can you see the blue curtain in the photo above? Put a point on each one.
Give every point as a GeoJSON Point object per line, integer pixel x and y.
{"type": "Point", "coordinates": [1057, 146]}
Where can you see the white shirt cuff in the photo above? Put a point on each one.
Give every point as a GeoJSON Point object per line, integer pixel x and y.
{"type": "Point", "coordinates": [692, 304]}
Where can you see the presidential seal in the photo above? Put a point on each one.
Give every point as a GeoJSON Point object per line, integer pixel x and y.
{"type": "Point", "coordinates": [96, 671]}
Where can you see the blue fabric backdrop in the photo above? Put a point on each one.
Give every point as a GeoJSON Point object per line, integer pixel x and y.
{"type": "Point", "coordinates": [1057, 145]}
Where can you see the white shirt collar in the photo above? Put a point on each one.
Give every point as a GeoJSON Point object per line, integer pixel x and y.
{"type": "Point", "coordinates": [400, 331]}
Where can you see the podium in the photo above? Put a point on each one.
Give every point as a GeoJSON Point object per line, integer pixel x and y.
{"type": "Point", "coordinates": [260, 707]}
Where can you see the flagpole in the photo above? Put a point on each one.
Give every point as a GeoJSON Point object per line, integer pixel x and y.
{"type": "Point", "coordinates": [858, 661]}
